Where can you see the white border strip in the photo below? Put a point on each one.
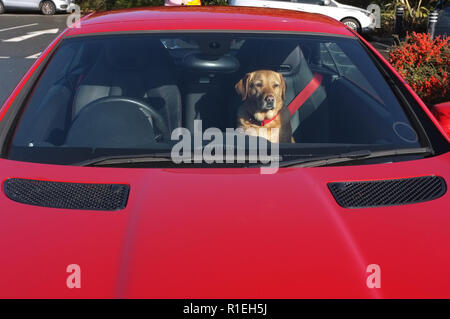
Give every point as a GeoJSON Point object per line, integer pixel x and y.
{"type": "Point", "coordinates": [18, 27]}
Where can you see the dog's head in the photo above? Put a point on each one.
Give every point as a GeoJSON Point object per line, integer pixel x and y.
{"type": "Point", "coordinates": [266, 89]}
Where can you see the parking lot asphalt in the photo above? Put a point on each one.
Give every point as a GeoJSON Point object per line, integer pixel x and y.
{"type": "Point", "coordinates": [22, 38]}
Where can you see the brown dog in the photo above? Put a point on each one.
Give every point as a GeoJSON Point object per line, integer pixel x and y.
{"type": "Point", "coordinates": [263, 94]}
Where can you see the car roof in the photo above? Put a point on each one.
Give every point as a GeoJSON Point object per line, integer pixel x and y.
{"type": "Point", "coordinates": [208, 18]}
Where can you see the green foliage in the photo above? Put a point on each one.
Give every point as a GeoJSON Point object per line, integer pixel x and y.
{"type": "Point", "coordinates": [415, 18]}
{"type": "Point", "coordinates": [414, 9]}
{"type": "Point", "coordinates": [214, 2]}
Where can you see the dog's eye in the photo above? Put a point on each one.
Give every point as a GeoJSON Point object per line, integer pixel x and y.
{"type": "Point", "coordinates": [275, 85]}
{"type": "Point", "coordinates": [259, 84]}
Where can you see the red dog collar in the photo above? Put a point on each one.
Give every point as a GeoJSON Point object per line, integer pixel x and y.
{"type": "Point", "coordinates": [264, 122]}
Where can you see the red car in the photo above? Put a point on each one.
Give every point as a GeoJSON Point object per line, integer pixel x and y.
{"type": "Point", "coordinates": [95, 205]}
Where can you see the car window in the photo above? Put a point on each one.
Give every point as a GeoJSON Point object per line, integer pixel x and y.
{"type": "Point", "coordinates": [342, 63]}
{"type": "Point", "coordinates": [128, 94]}
{"type": "Point", "coordinates": [318, 2]}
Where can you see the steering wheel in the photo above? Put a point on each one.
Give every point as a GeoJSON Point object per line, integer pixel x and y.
{"type": "Point", "coordinates": [143, 106]}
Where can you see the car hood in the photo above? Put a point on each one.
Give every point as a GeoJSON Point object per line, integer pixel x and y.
{"type": "Point", "coordinates": [226, 233]}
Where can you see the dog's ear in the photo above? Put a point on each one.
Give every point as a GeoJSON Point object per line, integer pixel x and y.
{"type": "Point", "coordinates": [243, 85]}
{"type": "Point", "coordinates": [283, 87]}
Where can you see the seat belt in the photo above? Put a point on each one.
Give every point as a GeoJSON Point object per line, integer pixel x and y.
{"type": "Point", "coordinates": [305, 94]}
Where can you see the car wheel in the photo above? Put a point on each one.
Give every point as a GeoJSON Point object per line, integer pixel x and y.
{"type": "Point", "coordinates": [48, 8]}
{"type": "Point", "coordinates": [352, 24]}
{"type": "Point", "coordinates": [2, 8]}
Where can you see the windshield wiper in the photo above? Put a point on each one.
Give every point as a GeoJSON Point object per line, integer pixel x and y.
{"type": "Point", "coordinates": [126, 159]}
{"type": "Point", "coordinates": [299, 162]}
{"type": "Point", "coordinates": [354, 156]}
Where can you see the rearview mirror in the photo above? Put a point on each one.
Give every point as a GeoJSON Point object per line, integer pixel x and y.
{"type": "Point", "coordinates": [442, 113]}
{"type": "Point", "coordinates": [325, 2]}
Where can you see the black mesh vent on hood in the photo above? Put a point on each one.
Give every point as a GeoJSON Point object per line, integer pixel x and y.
{"type": "Point", "coordinates": [361, 194]}
{"type": "Point", "coordinates": [84, 196]}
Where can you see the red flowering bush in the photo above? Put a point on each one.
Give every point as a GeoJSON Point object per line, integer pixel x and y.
{"type": "Point", "coordinates": [425, 64]}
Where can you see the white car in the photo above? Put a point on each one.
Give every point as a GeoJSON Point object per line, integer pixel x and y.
{"type": "Point", "coordinates": [47, 7]}
{"type": "Point", "coordinates": [358, 19]}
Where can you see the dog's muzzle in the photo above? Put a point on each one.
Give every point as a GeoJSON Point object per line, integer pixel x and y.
{"type": "Point", "coordinates": [269, 102]}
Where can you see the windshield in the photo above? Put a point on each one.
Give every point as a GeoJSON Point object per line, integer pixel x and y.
{"type": "Point", "coordinates": [125, 95]}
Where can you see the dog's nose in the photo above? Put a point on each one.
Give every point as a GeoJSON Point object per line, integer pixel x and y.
{"type": "Point", "coordinates": [270, 99]}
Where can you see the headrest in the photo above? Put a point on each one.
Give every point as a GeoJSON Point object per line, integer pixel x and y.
{"type": "Point", "coordinates": [281, 56]}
